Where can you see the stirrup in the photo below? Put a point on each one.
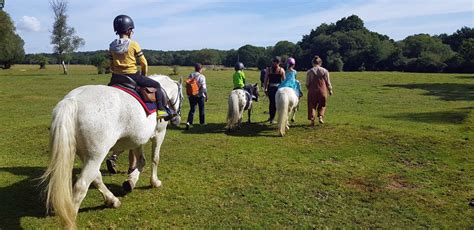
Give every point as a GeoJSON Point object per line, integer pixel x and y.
{"type": "Point", "coordinates": [160, 114]}
{"type": "Point", "coordinates": [170, 116]}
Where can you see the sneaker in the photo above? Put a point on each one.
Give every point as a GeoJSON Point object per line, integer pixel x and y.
{"type": "Point", "coordinates": [320, 118]}
{"type": "Point", "coordinates": [187, 125]}
{"type": "Point", "coordinates": [111, 165]}
{"type": "Point", "coordinates": [271, 122]}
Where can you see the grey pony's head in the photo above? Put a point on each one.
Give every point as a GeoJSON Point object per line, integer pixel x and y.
{"type": "Point", "coordinates": [253, 90]}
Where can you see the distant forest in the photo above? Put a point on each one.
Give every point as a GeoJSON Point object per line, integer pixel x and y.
{"type": "Point", "coordinates": [346, 45]}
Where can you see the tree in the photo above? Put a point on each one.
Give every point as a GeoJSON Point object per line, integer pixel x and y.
{"type": "Point", "coordinates": [334, 62]}
{"type": "Point", "coordinates": [466, 50]}
{"type": "Point", "coordinates": [286, 48]}
{"type": "Point", "coordinates": [349, 45]}
{"type": "Point", "coordinates": [426, 53]}
{"type": "Point", "coordinates": [40, 59]}
{"type": "Point", "coordinates": [101, 62]}
{"type": "Point", "coordinates": [11, 45]}
{"type": "Point", "coordinates": [456, 39]}
{"type": "Point", "coordinates": [63, 37]}
{"type": "Point", "coordinates": [352, 22]}
{"type": "Point", "coordinates": [207, 57]}
{"type": "Point", "coordinates": [249, 55]}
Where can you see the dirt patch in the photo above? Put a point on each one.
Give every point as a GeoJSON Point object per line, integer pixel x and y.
{"type": "Point", "coordinates": [397, 182]}
{"type": "Point", "coordinates": [361, 184]}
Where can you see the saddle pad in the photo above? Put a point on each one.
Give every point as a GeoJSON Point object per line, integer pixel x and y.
{"type": "Point", "coordinates": [149, 107]}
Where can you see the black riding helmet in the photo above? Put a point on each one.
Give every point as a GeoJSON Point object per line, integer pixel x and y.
{"type": "Point", "coordinates": [122, 24]}
{"type": "Point", "coordinates": [239, 66]}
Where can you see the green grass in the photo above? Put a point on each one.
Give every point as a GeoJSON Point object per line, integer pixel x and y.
{"type": "Point", "coordinates": [396, 152]}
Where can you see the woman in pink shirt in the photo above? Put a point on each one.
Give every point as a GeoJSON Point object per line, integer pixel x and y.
{"type": "Point", "coordinates": [319, 86]}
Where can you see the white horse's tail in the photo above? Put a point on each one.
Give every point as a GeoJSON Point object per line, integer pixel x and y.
{"type": "Point", "coordinates": [58, 175]}
{"type": "Point", "coordinates": [233, 112]}
{"type": "Point", "coordinates": [282, 101]}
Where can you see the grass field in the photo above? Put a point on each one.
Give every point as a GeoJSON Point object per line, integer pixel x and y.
{"type": "Point", "coordinates": [396, 151]}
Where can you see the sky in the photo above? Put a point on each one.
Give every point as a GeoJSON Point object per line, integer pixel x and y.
{"type": "Point", "coordinates": [230, 24]}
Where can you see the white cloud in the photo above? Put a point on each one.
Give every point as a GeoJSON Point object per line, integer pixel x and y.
{"type": "Point", "coordinates": [29, 24]}
{"type": "Point", "coordinates": [196, 24]}
{"type": "Point", "coordinates": [379, 10]}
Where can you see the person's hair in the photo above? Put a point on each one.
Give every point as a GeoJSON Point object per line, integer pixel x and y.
{"type": "Point", "coordinates": [317, 60]}
{"type": "Point", "coordinates": [128, 33]}
{"type": "Point", "coordinates": [276, 59]}
{"type": "Point", "coordinates": [197, 66]}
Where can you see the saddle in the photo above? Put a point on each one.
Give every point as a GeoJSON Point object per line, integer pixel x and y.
{"type": "Point", "coordinates": [141, 94]}
{"type": "Point", "coordinates": [146, 93]}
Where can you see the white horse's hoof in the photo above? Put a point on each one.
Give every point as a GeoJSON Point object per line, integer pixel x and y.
{"type": "Point", "coordinates": [156, 183]}
{"type": "Point", "coordinates": [114, 203]}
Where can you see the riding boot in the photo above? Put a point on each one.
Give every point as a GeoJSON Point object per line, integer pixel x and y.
{"type": "Point", "coordinates": [164, 112]}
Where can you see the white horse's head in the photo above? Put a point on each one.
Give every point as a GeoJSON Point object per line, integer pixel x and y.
{"type": "Point", "coordinates": [174, 91]}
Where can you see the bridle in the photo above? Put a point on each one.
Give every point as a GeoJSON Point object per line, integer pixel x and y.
{"type": "Point", "coordinates": [179, 98]}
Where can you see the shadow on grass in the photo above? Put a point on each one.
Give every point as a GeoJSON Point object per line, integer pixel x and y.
{"type": "Point", "coordinates": [200, 129]}
{"type": "Point", "coordinates": [254, 129]}
{"type": "Point", "coordinates": [445, 91]}
{"type": "Point", "coordinates": [444, 117]}
{"type": "Point", "coordinates": [466, 77]}
{"type": "Point", "coordinates": [22, 198]}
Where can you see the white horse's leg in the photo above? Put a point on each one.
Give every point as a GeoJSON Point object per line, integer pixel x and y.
{"type": "Point", "coordinates": [89, 173]}
{"type": "Point", "coordinates": [137, 163]}
{"type": "Point", "coordinates": [109, 199]}
{"type": "Point", "coordinates": [156, 146]}
{"type": "Point", "coordinates": [290, 112]}
{"type": "Point", "coordinates": [241, 116]}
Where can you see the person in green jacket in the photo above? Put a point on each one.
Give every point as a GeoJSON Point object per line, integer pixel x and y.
{"type": "Point", "coordinates": [239, 76]}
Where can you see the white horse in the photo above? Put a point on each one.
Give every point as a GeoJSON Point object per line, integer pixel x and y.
{"type": "Point", "coordinates": [90, 121]}
{"type": "Point", "coordinates": [239, 101]}
{"type": "Point", "coordinates": [286, 104]}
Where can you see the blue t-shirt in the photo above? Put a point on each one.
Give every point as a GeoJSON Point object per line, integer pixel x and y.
{"type": "Point", "coordinates": [290, 81]}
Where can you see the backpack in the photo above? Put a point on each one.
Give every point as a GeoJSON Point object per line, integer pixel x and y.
{"type": "Point", "coordinates": [192, 88]}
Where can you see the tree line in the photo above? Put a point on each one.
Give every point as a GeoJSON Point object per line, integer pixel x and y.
{"type": "Point", "coordinates": [346, 45]}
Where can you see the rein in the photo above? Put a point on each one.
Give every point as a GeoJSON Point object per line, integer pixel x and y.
{"type": "Point", "coordinates": [178, 97]}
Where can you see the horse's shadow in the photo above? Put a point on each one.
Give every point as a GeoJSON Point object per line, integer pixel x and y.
{"type": "Point", "coordinates": [22, 198]}
{"type": "Point", "coordinates": [25, 198]}
{"type": "Point", "coordinates": [247, 129]}
{"type": "Point", "coordinates": [253, 129]}
{"type": "Point", "coordinates": [200, 129]}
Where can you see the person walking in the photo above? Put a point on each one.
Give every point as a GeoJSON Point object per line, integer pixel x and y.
{"type": "Point", "coordinates": [319, 86]}
{"type": "Point", "coordinates": [274, 76]}
{"type": "Point", "coordinates": [198, 96]}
